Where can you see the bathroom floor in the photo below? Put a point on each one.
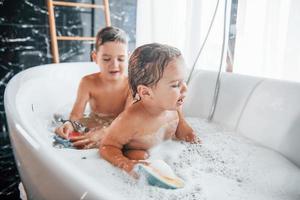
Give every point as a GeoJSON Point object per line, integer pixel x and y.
{"type": "Point", "coordinates": [9, 177]}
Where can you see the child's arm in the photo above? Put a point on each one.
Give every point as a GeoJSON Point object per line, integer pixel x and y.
{"type": "Point", "coordinates": [119, 134]}
{"type": "Point", "coordinates": [81, 99]}
{"type": "Point", "coordinates": [78, 109]}
{"type": "Point", "coordinates": [184, 131]}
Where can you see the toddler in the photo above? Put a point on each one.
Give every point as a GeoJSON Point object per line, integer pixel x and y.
{"type": "Point", "coordinates": [156, 79]}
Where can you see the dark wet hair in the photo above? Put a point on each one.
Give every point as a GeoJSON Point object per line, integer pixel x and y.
{"type": "Point", "coordinates": [147, 64]}
{"type": "Point", "coordinates": [110, 34]}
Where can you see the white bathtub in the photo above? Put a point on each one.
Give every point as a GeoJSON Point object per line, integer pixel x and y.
{"type": "Point", "coordinates": [266, 111]}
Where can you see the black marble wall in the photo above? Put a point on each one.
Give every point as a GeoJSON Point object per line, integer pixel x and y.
{"type": "Point", "coordinates": [25, 42]}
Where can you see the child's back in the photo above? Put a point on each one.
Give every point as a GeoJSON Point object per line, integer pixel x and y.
{"type": "Point", "coordinates": [145, 130]}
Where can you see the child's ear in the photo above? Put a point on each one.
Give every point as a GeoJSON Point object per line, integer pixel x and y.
{"type": "Point", "coordinates": [94, 56]}
{"type": "Point", "coordinates": [144, 91]}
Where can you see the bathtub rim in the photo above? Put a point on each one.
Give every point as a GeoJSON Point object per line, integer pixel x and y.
{"type": "Point", "coordinates": [18, 129]}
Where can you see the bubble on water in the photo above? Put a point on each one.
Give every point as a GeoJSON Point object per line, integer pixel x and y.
{"type": "Point", "coordinates": [225, 166]}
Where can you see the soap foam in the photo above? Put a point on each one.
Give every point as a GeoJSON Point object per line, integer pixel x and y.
{"type": "Point", "coordinates": [224, 166]}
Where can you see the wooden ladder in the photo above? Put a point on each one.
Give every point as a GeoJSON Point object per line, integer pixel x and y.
{"type": "Point", "coordinates": [55, 37]}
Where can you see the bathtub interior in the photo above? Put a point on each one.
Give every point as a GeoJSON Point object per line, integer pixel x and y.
{"type": "Point", "coordinates": [265, 110]}
{"type": "Point", "coordinates": [38, 94]}
{"type": "Point", "coordinates": [229, 166]}
{"type": "Point", "coordinates": [232, 96]}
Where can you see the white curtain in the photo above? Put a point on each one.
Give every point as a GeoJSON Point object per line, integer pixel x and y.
{"type": "Point", "coordinates": [183, 24]}
{"type": "Point", "coordinates": [267, 42]}
{"type": "Point", "coordinates": [267, 33]}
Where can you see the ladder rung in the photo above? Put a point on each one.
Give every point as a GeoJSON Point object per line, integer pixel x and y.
{"type": "Point", "coordinates": [52, 24]}
{"type": "Point", "coordinates": [75, 38]}
{"type": "Point", "coordinates": [83, 5]}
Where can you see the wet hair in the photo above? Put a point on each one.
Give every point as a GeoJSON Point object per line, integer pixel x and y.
{"type": "Point", "coordinates": [110, 34]}
{"type": "Point", "coordinates": [147, 64]}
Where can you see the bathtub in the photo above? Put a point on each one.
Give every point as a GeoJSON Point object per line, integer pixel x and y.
{"type": "Point", "coordinates": [266, 112]}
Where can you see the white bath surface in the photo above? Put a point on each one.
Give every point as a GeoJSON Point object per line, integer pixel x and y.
{"type": "Point", "coordinates": [225, 166]}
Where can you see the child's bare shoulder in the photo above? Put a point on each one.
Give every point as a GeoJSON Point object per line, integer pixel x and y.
{"type": "Point", "coordinates": [133, 114]}
{"type": "Point", "coordinates": [128, 121]}
{"type": "Point", "coordinates": [91, 79]}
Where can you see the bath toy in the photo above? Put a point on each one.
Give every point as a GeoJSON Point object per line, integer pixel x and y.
{"type": "Point", "coordinates": [158, 173]}
{"type": "Point", "coordinates": [65, 143]}
{"type": "Point", "coordinates": [61, 142]}
{"type": "Point", "coordinates": [74, 134]}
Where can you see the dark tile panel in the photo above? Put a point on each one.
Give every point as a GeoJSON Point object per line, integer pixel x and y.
{"type": "Point", "coordinates": [25, 42]}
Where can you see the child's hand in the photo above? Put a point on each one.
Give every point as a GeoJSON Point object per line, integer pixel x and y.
{"type": "Point", "coordinates": [89, 140]}
{"type": "Point", "coordinates": [192, 138]}
{"type": "Point", "coordinates": [196, 140]}
{"type": "Point", "coordinates": [64, 130]}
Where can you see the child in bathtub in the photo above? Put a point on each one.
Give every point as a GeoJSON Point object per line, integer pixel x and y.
{"type": "Point", "coordinates": [106, 91]}
{"type": "Point", "coordinates": [156, 78]}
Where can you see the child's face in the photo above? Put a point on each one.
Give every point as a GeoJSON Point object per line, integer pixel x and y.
{"type": "Point", "coordinates": [171, 89]}
{"type": "Point", "coordinates": [112, 59]}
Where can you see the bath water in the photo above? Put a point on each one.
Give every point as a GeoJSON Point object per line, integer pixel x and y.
{"type": "Point", "coordinates": [224, 166]}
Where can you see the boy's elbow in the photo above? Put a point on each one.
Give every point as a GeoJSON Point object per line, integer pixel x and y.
{"type": "Point", "coordinates": [107, 152]}
{"type": "Point", "coordinates": [102, 151]}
